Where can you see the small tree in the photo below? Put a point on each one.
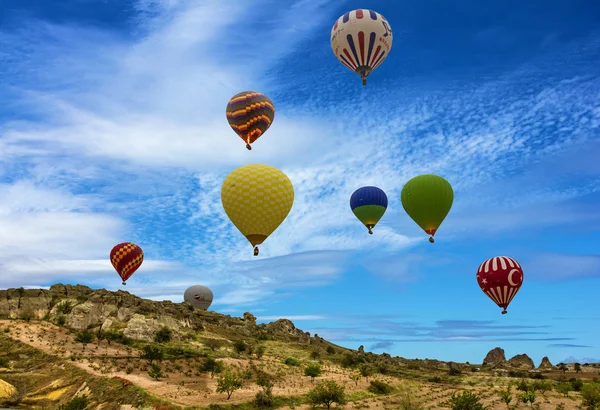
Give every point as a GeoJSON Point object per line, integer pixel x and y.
{"type": "Point", "coordinates": [212, 366]}
{"type": "Point", "coordinates": [355, 377]}
{"type": "Point", "coordinates": [61, 320]}
{"type": "Point", "coordinates": [528, 397]}
{"type": "Point", "coordinates": [365, 371]}
{"type": "Point", "coordinates": [523, 386]}
{"type": "Point", "coordinates": [260, 351]}
{"type": "Point", "coordinates": [564, 388]}
{"type": "Point", "coordinates": [576, 384]}
{"type": "Point", "coordinates": [84, 337]}
{"type": "Point", "coordinates": [590, 396]}
{"type": "Point", "coordinates": [577, 367]}
{"type": "Point", "coordinates": [562, 367]}
{"type": "Point", "coordinates": [239, 346]}
{"type": "Point", "coordinates": [76, 403]}
{"type": "Point", "coordinates": [542, 386]}
{"type": "Point", "coordinates": [264, 397]}
{"type": "Point", "coordinates": [155, 372]}
{"type": "Point", "coordinates": [407, 399]}
{"type": "Point", "coordinates": [163, 335]}
{"type": "Point", "coordinates": [330, 350]}
{"type": "Point", "coordinates": [212, 344]}
{"type": "Point", "coordinates": [152, 353]}
{"type": "Point", "coordinates": [100, 336]}
{"type": "Point", "coordinates": [312, 371]}
{"type": "Point", "coordinates": [465, 401]}
{"type": "Point", "coordinates": [506, 396]}
{"type": "Point", "coordinates": [315, 355]}
{"type": "Point", "coordinates": [326, 393]}
{"type": "Point", "coordinates": [228, 383]}
{"type": "Point", "coordinates": [112, 335]}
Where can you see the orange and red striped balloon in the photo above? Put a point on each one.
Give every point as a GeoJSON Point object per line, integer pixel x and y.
{"type": "Point", "coordinates": [126, 258]}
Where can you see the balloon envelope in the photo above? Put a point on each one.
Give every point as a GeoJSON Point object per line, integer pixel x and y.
{"type": "Point", "coordinates": [368, 204]}
{"type": "Point", "coordinates": [361, 39]}
{"type": "Point", "coordinates": [126, 258]}
{"type": "Point", "coordinates": [427, 199]}
{"type": "Point", "coordinates": [250, 114]}
{"type": "Point", "coordinates": [500, 278]}
{"type": "Point", "coordinates": [257, 198]}
{"type": "Point", "coordinates": [199, 296]}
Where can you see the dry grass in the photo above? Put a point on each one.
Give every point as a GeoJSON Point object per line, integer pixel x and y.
{"type": "Point", "coordinates": [122, 376]}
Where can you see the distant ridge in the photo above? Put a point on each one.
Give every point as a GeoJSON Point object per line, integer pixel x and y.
{"type": "Point", "coordinates": [584, 360]}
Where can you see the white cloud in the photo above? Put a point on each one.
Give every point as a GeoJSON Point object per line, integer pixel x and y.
{"type": "Point", "coordinates": [128, 138]}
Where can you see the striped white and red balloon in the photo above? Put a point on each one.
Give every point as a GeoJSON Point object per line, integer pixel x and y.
{"type": "Point", "coordinates": [500, 278]}
{"type": "Point", "coordinates": [361, 39]}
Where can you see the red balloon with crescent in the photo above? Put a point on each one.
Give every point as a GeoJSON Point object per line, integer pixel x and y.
{"type": "Point", "coordinates": [126, 258]}
{"type": "Point", "coordinates": [500, 278]}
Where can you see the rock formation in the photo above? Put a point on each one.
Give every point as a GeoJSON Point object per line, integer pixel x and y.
{"type": "Point", "coordinates": [495, 358]}
{"type": "Point", "coordinates": [521, 361]}
{"type": "Point", "coordinates": [85, 308]}
{"type": "Point", "coordinates": [545, 363]}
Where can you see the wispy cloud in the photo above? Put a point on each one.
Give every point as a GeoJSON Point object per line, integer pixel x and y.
{"type": "Point", "coordinates": [125, 138]}
{"type": "Point", "coordinates": [548, 266]}
{"type": "Point", "coordinates": [291, 317]}
{"type": "Point", "coordinates": [381, 345]}
{"type": "Point", "coordinates": [568, 345]}
{"type": "Point", "coordinates": [392, 331]}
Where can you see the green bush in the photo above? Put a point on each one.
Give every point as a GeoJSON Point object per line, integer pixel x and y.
{"type": "Point", "coordinates": [379, 387]}
{"type": "Point", "coordinates": [164, 335]}
{"type": "Point", "coordinates": [290, 361]}
{"type": "Point", "coordinates": [77, 403]}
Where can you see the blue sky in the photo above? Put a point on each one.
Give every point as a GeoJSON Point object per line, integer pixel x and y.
{"type": "Point", "coordinates": [113, 128]}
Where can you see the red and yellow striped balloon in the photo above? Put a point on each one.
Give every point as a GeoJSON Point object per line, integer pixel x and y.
{"type": "Point", "coordinates": [126, 258]}
{"type": "Point", "coordinates": [250, 114]}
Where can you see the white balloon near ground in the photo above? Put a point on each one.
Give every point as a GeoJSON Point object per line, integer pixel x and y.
{"type": "Point", "coordinates": [199, 296]}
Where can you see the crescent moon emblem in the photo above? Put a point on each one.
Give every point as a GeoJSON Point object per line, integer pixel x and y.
{"type": "Point", "coordinates": [510, 279]}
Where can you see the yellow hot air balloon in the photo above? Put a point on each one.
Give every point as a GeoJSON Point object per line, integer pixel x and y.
{"type": "Point", "coordinates": [257, 198]}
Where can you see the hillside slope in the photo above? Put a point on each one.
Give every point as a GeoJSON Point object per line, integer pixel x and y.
{"type": "Point", "coordinates": [71, 341]}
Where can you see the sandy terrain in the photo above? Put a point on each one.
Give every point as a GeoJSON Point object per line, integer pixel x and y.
{"type": "Point", "coordinates": [184, 385]}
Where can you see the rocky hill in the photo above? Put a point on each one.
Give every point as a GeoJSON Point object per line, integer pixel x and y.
{"type": "Point", "coordinates": [70, 344]}
{"type": "Point", "coordinates": [81, 308]}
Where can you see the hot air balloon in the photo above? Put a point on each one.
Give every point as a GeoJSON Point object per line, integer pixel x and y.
{"type": "Point", "coordinates": [250, 114]}
{"type": "Point", "coordinates": [500, 278]}
{"type": "Point", "coordinates": [199, 296]}
{"type": "Point", "coordinates": [427, 199]}
{"type": "Point", "coordinates": [361, 39]}
{"type": "Point", "coordinates": [369, 204]}
{"type": "Point", "coordinates": [257, 198]}
{"type": "Point", "coordinates": [126, 258]}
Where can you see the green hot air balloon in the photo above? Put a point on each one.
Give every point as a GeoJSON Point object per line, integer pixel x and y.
{"type": "Point", "coordinates": [427, 199]}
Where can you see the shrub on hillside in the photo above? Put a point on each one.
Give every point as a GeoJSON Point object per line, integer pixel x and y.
{"type": "Point", "coordinates": [465, 401]}
{"type": "Point", "coordinates": [290, 361]}
{"type": "Point", "coordinates": [379, 387]}
{"type": "Point", "coordinates": [163, 335]}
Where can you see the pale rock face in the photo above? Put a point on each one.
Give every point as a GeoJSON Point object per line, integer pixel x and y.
{"type": "Point", "coordinates": [6, 389]}
{"type": "Point", "coordinates": [137, 318]}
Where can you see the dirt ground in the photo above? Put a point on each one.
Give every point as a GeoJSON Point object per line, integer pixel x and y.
{"type": "Point", "coordinates": [184, 385]}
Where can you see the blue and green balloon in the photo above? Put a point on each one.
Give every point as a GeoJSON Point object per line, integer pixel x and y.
{"type": "Point", "coordinates": [369, 204]}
